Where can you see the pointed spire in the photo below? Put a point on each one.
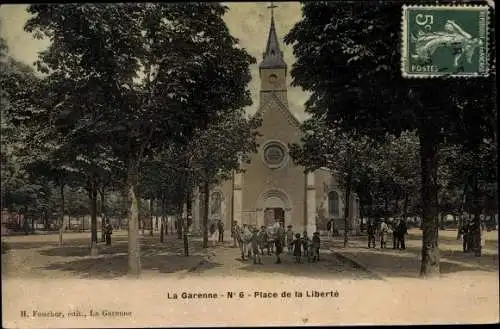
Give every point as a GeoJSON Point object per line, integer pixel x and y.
{"type": "Point", "coordinates": [273, 56]}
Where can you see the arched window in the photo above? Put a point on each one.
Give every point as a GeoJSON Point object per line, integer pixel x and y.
{"type": "Point", "coordinates": [333, 204]}
{"type": "Point", "coordinates": [216, 205]}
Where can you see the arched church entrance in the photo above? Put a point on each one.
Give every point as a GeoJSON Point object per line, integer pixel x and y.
{"type": "Point", "coordinates": [273, 206]}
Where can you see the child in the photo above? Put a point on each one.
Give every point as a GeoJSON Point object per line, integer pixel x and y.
{"type": "Point", "coordinates": [289, 238]}
{"type": "Point", "coordinates": [297, 245]}
{"type": "Point", "coordinates": [316, 242]}
{"type": "Point", "coordinates": [305, 243]}
{"type": "Point", "coordinates": [255, 247]}
{"type": "Point", "coordinates": [263, 241]}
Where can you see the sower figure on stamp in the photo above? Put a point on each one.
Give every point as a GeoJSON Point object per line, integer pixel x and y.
{"type": "Point", "coordinates": [108, 231]}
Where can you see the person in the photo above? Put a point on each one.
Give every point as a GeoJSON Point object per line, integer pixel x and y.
{"type": "Point", "coordinates": [316, 243]}
{"type": "Point", "coordinates": [371, 234]}
{"type": "Point", "coordinates": [305, 243]}
{"type": "Point", "coordinates": [464, 231]}
{"type": "Point", "coordinates": [402, 231]}
{"type": "Point", "coordinates": [395, 236]}
{"type": "Point", "coordinates": [234, 233]}
{"type": "Point", "coordinates": [108, 231]}
{"type": "Point", "coordinates": [278, 242]}
{"type": "Point", "coordinates": [220, 228]}
{"type": "Point", "coordinates": [212, 233]}
{"type": "Point", "coordinates": [329, 228]}
{"type": "Point", "coordinates": [263, 240]}
{"type": "Point", "coordinates": [289, 238]}
{"type": "Point", "coordinates": [297, 248]}
{"type": "Point", "coordinates": [257, 259]}
{"type": "Point", "coordinates": [383, 232]}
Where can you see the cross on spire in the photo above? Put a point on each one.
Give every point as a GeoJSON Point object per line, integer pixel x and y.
{"type": "Point", "coordinates": [273, 56]}
{"type": "Point", "coordinates": [272, 6]}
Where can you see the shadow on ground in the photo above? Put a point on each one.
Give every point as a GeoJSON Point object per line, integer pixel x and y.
{"type": "Point", "coordinates": [148, 246]}
{"type": "Point", "coordinates": [329, 267]}
{"type": "Point", "coordinates": [116, 266]}
{"type": "Point", "coordinates": [486, 261]}
{"type": "Point", "coordinates": [396, 264]}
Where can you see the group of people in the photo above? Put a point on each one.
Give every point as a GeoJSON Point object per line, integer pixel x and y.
{"type": "Point", "coordinates": [381, 230]}
{"type": "Point", "coordinates": [216, 230]}
{"type": "Point", "coordinates": [273, 239]}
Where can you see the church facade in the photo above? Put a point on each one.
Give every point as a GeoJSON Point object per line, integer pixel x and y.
{"type": "Point", "coordinates": [272, 188]}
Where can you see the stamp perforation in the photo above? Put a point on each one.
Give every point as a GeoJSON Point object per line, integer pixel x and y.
{"type": "Point", "coordinates": [404, 30]}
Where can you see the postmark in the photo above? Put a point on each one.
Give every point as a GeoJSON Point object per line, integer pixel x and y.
{"type": "Point", "coordinates": [445, 40]}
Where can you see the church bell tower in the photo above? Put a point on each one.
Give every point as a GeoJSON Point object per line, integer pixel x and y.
{"type": "Point", "coordinates": [272, 69]}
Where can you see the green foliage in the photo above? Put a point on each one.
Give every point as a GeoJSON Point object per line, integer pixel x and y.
{"type": "Point", "coordinates": [348, 57]}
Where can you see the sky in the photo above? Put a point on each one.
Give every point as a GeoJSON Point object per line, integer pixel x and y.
{"type": "Point", "coordinates": [247, 21]}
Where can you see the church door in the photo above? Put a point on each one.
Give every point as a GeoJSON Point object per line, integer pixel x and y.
{"type": "Point", "coordinates": [271, 215]}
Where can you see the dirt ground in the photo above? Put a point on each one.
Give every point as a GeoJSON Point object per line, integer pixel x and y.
{"type": "Point", "coordinates": [45, 286]}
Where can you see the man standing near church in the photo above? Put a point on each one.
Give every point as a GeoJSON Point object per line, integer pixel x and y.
{"type": "Point", "coordinates": [220, 228]}
{"type": "Point", "coordinates": [279, 241]}
{"type": "Point", "coordinates": [235, 231]}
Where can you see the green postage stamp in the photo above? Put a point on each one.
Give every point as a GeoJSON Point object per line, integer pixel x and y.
{"type": "Point", "coordinates": [445, 40]}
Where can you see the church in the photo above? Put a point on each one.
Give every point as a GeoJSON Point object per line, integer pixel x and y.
{"type": "Point", "coordinates": [272, 188]}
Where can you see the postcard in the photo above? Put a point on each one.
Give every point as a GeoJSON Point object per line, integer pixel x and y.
{"type": "Point", "coordinates": [248, 164]}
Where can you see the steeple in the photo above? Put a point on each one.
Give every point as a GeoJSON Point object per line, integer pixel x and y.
{"type": "Point", "coordinates": [272, 58]}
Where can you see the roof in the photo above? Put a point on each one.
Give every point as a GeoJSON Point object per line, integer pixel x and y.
{"type": "Point", "coordinates": [281, 107]}
{"type": "Point", "coordinates": [273, 56]}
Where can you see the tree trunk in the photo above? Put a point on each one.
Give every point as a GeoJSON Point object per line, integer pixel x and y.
{"type": "Point", "coordinates": [93, 218]}
{"type": "Point", "coordinates": [179, 222]}
{"type": "Point", "coordinates": [162, 222]}
{"type": "Point", "coordinates": [429, 168]}
{"type": "Point", "coordinates": [476, 201]}
{"type": "Point", "coordinates": [151, 201]}
{"type": "Point", "coordinates": [61, 224]}
{"type": "Point", "coordinates": [347, 205]}
{"type": "Point", "coordinates": [186, 223]}
{"type": "Point", "coordinates": [347, 211]}
{"type": "Point", "coordinates": [396, 206]}
{"type": "Point", "coordinates": [405, 206]}
{"type": "Point", "coordinates": [134, 259]}
{"type": "Point", "coordinates": [103, 224]}
{"type": "Point", "coordinates": [206, 200]}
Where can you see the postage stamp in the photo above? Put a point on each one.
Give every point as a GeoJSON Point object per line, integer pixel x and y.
{"type": "Point", "coordinates": [445, 41]}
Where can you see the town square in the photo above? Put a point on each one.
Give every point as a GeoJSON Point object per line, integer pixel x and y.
{"type": "Point", "coordinates": [248, 164]}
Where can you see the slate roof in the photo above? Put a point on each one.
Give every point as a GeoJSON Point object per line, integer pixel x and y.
{"type": "Point", "coordinates": [273, 56]}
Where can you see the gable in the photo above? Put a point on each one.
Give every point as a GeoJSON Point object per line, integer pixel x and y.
{"type": "Point", "coordinates": [274, 102]}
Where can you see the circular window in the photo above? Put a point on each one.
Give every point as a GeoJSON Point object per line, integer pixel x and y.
{"type": "Point", "coordinates": [274, 154]}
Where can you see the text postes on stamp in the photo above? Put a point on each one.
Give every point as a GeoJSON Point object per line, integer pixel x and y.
{"type": "Point", "coordinates": [445, 41]}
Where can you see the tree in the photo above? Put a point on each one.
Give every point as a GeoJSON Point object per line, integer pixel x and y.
{"type": "Point", "coordinates": [367, 93]}
{"type": "Point", "coordinates": [218, 151]}
{"type": "Point", "coordinates": [346, 155]}
{"type": "Point", "coordinates": [140, 76]}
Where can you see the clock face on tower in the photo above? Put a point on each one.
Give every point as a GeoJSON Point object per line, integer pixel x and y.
{"type": "Point", "coordinates": [273, 78]}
